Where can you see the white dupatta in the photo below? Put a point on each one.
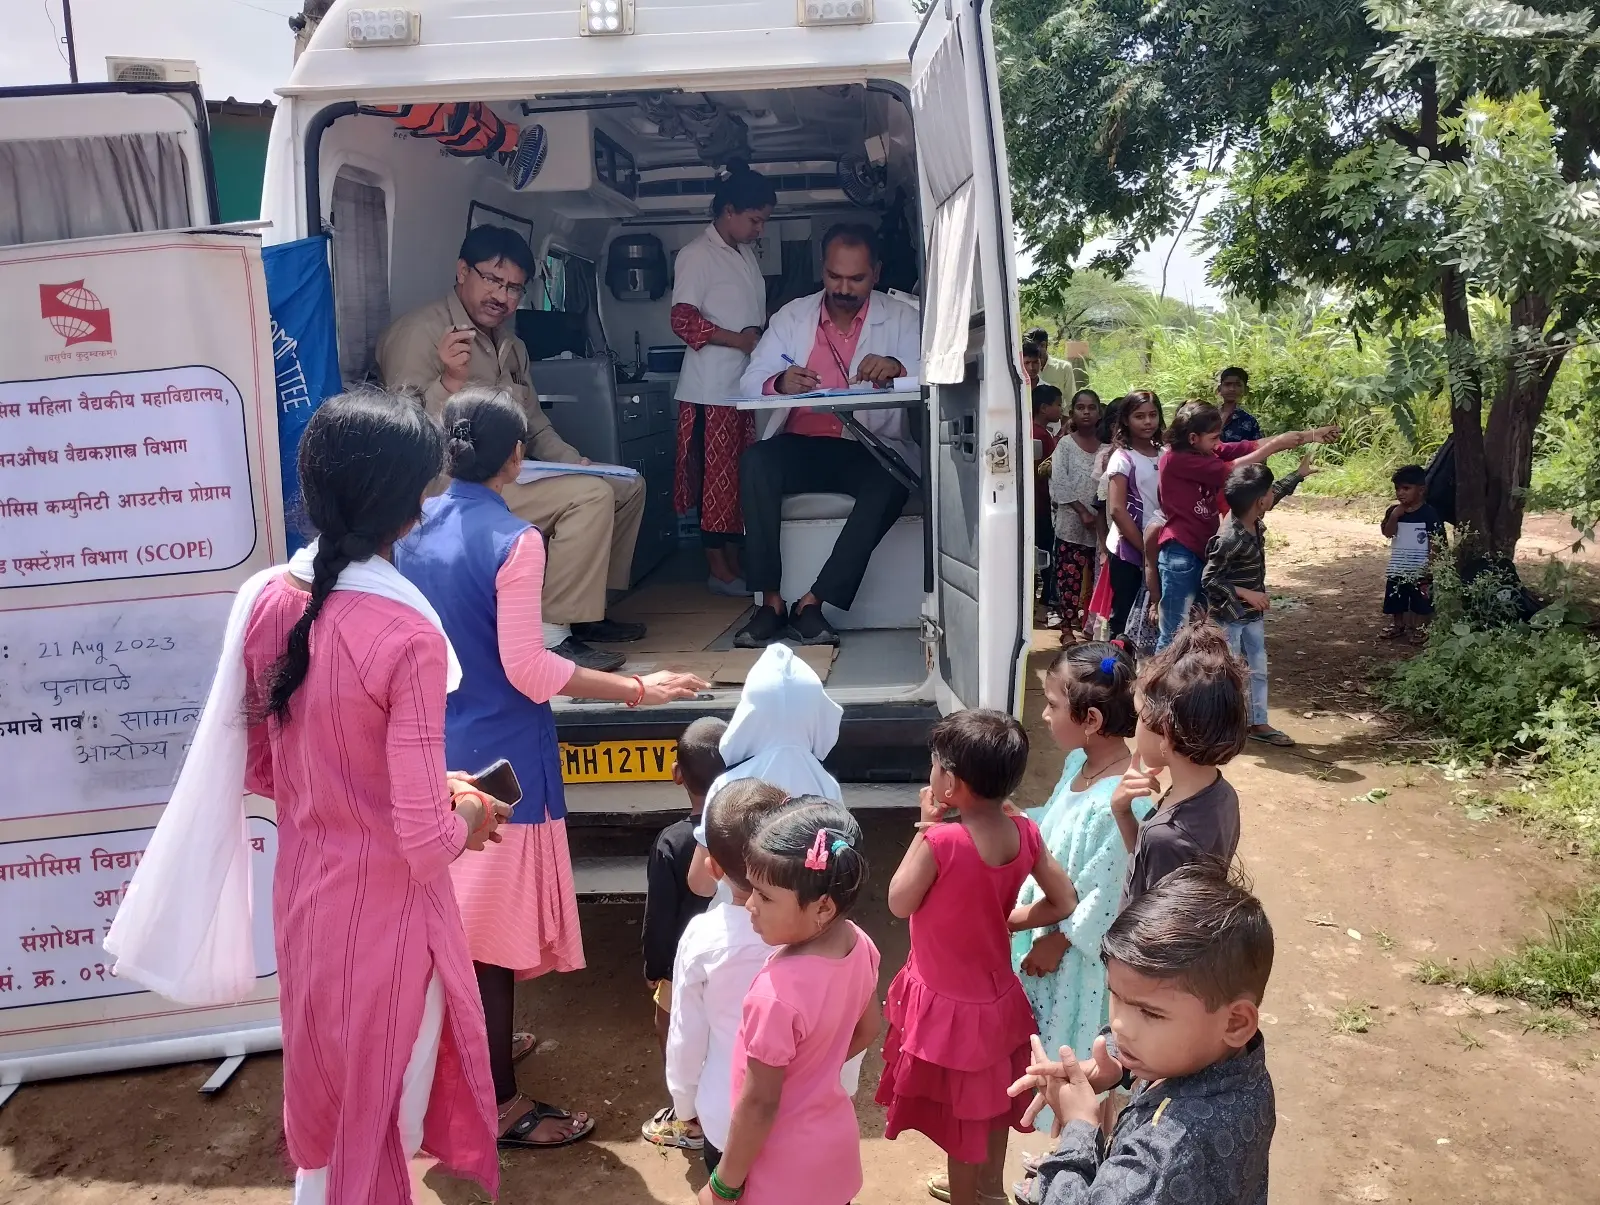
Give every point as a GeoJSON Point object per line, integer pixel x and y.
{"type": "Point", "coordinates": [184, 928]}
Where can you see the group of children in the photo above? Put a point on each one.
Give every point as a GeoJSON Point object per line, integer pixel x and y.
{"type": "Point", "coordinates": [1058, 957]}
{"type": "Point", "coordinates": [1147, 524]}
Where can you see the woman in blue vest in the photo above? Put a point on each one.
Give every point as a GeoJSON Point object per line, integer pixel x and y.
{"type": "Point", "coordinates": [482, 568]}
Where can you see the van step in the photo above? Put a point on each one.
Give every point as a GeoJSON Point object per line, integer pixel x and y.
{"type": "Point", "coordinates": [630, 802]}
{"type": "Point", "coordinates": [599, 880]}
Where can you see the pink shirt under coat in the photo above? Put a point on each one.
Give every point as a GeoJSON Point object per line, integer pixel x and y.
{"type": "Point", "coordinates": [830, 350]}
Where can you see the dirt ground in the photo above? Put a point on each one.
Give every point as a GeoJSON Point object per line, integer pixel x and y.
{"type": "Point", "coordinates": [1444, 1098]}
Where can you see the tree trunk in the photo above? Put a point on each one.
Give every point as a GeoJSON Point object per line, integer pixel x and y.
{"type": "Point", "coordinates": [1530, 372]}
{"type": "Point", "coordinates": [1466, 418]}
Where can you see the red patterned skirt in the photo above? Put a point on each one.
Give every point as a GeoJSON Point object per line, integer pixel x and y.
{"type": "Point", "coordinates": [710, 441]}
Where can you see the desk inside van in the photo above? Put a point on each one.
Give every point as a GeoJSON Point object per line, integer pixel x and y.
{"type": "Point", "coordinates": [845, 405]}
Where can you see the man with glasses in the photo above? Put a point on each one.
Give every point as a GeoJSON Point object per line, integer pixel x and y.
{"type": "Point", "coordinates": [466, 338]}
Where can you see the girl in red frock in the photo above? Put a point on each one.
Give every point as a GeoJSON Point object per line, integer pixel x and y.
{"type": "Point", "coordinates": [959, 1021]}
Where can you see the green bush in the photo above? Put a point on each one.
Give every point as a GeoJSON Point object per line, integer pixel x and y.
{"type": "Point", "coordinates": [1484, 689]}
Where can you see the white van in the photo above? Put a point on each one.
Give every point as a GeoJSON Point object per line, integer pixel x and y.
{"type": "Point", "coordinates": [856, 110]}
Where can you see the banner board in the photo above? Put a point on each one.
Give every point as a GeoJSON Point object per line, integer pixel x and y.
{"type": "Point", "coordinates": [139, 486]}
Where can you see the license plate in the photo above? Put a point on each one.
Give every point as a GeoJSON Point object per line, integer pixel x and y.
{"type": "Point", "coordinates": [618, 761]}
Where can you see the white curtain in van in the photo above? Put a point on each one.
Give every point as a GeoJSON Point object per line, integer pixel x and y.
{"type": "Point", "coordinates": [61, 188]}
{"type": "Point", "coordinates": [944, 144]}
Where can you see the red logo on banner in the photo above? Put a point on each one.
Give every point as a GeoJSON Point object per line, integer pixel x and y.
{"type": "Point", "coordinates": [75, 313]}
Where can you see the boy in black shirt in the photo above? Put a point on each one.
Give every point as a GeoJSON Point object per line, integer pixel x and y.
{"type": "Point", "coordinates": [669, 905]}
{"type": "Point", "coordinates": [1187, 966]}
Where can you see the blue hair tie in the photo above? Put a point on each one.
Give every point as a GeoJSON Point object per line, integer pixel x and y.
{"type": "Point", "coordinates": [1108, 665]}
{"type": "Point", "coordinates": [840, 845]}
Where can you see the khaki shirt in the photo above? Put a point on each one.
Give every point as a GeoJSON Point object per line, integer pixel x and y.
{"type": "Point", "coordinates": [408, 355]}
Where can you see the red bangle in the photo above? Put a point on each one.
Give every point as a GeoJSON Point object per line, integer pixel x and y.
{"type": "Point", "coordinates": [640, 683]}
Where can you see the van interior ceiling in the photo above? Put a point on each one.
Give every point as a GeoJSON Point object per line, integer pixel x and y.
{"type": "Point", "coordinates": [619, 183]}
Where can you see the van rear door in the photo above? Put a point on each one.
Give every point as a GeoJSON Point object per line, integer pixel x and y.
{"type": "Point", "coordinates": [91, 159]}
{"type": "Point", "coordinates": [981, 484]}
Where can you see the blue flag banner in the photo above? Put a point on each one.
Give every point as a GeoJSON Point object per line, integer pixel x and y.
{"type": "Point", "coordinates": [305, 351]}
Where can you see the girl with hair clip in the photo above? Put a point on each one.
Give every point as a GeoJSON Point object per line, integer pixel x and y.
{"type": "Point", "coordinates": [793, 1138]}
{"type": "Point", "coordinates": [1089, 709]}
{"type": "Point", "coordinates": [482, 569]}
{"type": "Point", "coordinates": [959, 1021]}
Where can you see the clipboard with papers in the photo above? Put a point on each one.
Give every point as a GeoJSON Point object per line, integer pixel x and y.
{"type": "Point", "coordinates": [539, 470]}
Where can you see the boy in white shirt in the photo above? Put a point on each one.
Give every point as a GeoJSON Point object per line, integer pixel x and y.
{"type": "Point", "coordinates": [719, 956]}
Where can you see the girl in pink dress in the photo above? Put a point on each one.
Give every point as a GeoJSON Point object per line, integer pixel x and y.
{"type": "Point", "coordinates": [959, 1021]}
{"type": "Point", "coordinates": [793, 1138]}
{"type": "Point", "coordinates": [383, 1035]}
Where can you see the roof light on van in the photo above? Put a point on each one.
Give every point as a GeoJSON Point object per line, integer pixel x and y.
{"type": "Point", "coordinates": [383, 27]}
{"type": "Point", "coordinates": [598, 18]}
{"type": "Point", "coordinates": [835, 12]}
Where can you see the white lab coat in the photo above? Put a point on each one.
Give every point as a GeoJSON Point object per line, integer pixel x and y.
{"type": "Point", "coordinates": [893, 328]}
{"type": "Point", "coordinates": [725, 284]}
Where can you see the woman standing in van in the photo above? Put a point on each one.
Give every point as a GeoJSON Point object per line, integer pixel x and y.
{"type": "Point", "coordinates": [482, 569]}
{"type": "Point", "coordinates": [719, 306]}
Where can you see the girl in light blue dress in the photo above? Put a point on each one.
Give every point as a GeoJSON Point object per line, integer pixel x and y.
{"type": "Point", "coordinates": [1089, 708]}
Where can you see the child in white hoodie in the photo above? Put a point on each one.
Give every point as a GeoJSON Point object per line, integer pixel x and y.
{"type": "Point", "coordinates": [784, 726]}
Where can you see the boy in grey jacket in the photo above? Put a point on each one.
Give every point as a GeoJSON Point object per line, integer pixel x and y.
{"type": "Point", "coordinates": [1187, 965]}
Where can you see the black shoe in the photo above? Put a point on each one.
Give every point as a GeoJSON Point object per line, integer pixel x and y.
{"type": "Point", "coordinates": [609, 631]}
{"type": "Point", "coordinates": [766, 627]}
{"type": "Point", "coordinates": [579, 653]}
{"type": "Point", "coordinates": [810, 626]}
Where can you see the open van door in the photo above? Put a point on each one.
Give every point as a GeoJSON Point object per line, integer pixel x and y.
{"type": "Point", "coordinates": [981, 488]}
{"type": "Point", "coordinates": [83, 160]}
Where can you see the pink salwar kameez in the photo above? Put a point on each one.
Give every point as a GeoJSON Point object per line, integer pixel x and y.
{"type": "Point", "coordinates": [364, 917]}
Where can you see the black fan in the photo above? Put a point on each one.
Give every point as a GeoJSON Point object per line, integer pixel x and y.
{"type": "Point", "coordinates": [860, 180]}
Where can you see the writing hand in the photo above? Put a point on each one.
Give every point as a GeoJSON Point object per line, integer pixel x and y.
{"type": "Point", "coordinates": [797, 379]}
{"type": "Point", "coordinates": [879, 370]}
{"type": "Point", "coordinates": [665, 686]}
{"type": "Point", "coordinates": [1046, 954]}
{"type": "Point", "coordinates": [455, 353]}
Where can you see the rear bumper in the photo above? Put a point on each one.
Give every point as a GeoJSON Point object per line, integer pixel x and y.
{"type": "Point", "coordinates": [878, 742]}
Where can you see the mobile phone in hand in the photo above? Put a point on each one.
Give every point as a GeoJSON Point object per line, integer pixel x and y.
{"type": "Point", "coordinates": [499, 781]}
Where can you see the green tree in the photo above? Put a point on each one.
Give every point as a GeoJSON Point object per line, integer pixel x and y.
{"type": "Point", "coordinates": [1456, 163]}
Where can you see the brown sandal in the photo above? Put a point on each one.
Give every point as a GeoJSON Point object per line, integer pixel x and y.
{"type": "Point", "coordinates": [522, 1045]}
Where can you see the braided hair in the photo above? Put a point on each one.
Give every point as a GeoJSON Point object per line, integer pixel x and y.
{"type": "Point", "coordinates": [778, 852]}
{"type": "Point", "coordinates": [365, 458]}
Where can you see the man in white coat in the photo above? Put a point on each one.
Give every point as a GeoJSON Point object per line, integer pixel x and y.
{"type": "Point", "coordinates": [846, 333]}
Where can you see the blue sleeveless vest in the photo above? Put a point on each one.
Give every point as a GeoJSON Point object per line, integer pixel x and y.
{"type": "Point", "coordinates": [452, 557]}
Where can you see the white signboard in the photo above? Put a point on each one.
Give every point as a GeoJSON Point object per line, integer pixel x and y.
{"type": "Point", "coordinates": [103, 697]}
{"type": "Point", "coordinates": [57, 898]}
{"type": "Point", "coordinates": [138, 488]}
{"type": "Point", "coordinates": [138, 474]}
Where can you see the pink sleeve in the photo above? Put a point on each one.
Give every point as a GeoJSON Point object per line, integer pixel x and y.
{"type": "Point", "coordinates": [532, 668]}
{"type": "Point", "coordinates": [431, 834]}
{"type": "Point", "coordinates": [771, 1030]}
{"type": "Point", "coordinates": [771, 385]}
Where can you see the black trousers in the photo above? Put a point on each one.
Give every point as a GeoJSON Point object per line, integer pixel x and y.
{"type": "Point", "coordinates": [497, 986]}
{"type": "Point", "coordinates": [711, 1155]}
{"type": "Point", "coordinates": [1125, 582]}
{"type": "Point", "coordinates": [807, 464]}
